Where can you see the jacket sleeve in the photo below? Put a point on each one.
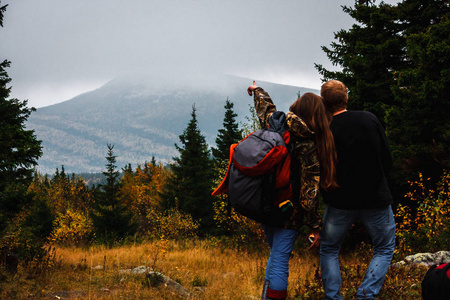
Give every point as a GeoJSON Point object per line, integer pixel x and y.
{"type": "Point", "coordinates": [264, 106]}
{"type": "Point", "coordinates": [306, 154]}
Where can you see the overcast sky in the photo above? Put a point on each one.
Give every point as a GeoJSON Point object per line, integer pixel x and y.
{"type": "Point", "coordinates": [60, 49]}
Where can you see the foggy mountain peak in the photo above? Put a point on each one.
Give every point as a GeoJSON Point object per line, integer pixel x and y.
{"type": "Point", "coordinates": [142, 116]}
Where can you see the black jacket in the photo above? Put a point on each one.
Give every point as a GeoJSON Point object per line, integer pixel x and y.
{"type": "Point", "coordinates": [364, 160]}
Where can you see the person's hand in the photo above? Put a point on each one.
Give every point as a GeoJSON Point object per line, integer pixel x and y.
{"type": "Point", "coordinates": [316, 242]}
{"type": "Point", "coordinates": [251, 88]}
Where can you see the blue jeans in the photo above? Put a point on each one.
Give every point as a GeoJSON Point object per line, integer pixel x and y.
{"type": "Point", "coordinates": [381, 227]}
{"type": "Point", "coordinates": [281, 242]}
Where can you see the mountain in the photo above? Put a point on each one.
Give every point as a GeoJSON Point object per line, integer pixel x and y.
{"type": "Point", "coordinates": [141, 118]}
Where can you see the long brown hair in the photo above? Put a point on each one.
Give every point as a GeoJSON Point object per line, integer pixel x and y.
{"type": "Point", "coordinates": [310, 108]}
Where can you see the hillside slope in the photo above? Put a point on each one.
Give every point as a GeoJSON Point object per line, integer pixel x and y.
{"type": "Point", "coordinates": [140, 119]}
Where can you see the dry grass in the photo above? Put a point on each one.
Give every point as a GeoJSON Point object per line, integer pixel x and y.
{"type": "Point", "coordinates": [207, 270]}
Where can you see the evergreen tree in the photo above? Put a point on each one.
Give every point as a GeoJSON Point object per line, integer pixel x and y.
{"type": "Point", "coordinates": [19, 148]}
{"type": "Point", "coordinates": [2, 11]}
{"type": "Point", "coordinates": [228, 135]}
{"type": "Point", "coordinates": [111, 219]}
{"type": "Point", "coordinates": [189, 188]}
{"type": "Point", "coordinates": [19, 152]}
{"type": "Point", "coordinates": [418, 121]}
{"type": "Point", "coordinates": [367, 53]}
{"type": "Point", "coordinates": [111, 174]}
{"type": "Point", "coordinates": [127, 169]}
{"type": "Point", "coordinates": [395, 63]}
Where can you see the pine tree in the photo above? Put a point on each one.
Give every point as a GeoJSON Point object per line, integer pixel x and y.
{"type": "Point", "coordinates": [111, 174]}
{"type": "Point", "coordinates": [19, 152]}
{"type": "Point", "coordinates": [228, 135]}
{"type": "Point", "coordinates": [2, 11]}
{"type": "Point", "coordinates": [395, 63]}
{"type": "Point", "coordinates": [418, 120]}
{"type": "Point", "coordinates": [112, 221]}
{"type": "Point", "coordinates": [19, 148]}
{"type": "Point", "coordinates": [367, 53]}
{"type": "Point", "coordinates": [189, 188]}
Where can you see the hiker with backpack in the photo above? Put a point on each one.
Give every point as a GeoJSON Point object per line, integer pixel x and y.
{"type": "Point", "coordinates": [312, 167]}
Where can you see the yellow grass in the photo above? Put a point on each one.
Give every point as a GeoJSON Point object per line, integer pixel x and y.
{"type": "Point", "coordinates": [95, 273]}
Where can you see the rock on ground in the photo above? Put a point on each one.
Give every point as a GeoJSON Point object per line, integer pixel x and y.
{"type": "Point", "coordinates": [425, 259]}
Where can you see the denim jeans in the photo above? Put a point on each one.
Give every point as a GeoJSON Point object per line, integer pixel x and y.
{"type": "Point", "coordinates": [281, 242]}
{"type": "Point", "coordinates": [380, 225]}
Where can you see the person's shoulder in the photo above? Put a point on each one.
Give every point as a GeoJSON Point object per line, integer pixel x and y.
{"type": "Point", "coordinates": [361, 114]}
{"type": "Point", "coordinates": [367, 113]}
{"type": "Point", "coordinates": [354, 118]}
{"type": "Point", "coordinates": [297, 126]}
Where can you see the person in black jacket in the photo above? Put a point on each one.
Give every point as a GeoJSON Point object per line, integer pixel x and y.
{"type": "Point", "coordinates": [363, 162]}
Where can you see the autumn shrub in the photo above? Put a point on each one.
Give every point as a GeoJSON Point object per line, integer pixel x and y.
{"type": "Point", "coordinates": [72, 229]}
{"type": "Point", "coordinates": [140, 192]}
{"type": "Point", "coordinates": [423, 223]}
{"type": "Point", "coordinates": [171, 224]}
{"type": "Point", "coordinates": [140, 189]}
{"type": "Point", "coordinates": [63, 192]}
{"type": "Point", "coordinates": [241, 230]}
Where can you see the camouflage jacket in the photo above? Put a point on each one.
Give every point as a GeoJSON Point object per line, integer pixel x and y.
{"type": "Point", "coordinates": [304, 154]}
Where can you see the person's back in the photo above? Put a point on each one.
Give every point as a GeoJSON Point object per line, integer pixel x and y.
{"type": "Point", "coordinates": [364, 159]}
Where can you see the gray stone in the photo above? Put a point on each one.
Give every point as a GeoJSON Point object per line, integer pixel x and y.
{"type": "Point", "coordinates": [156, 278]}
{"type": "Point", "coordinates": [425, 259]}
{"type": "Point", "coordinates": [141, 270]}
{"type": "Point", "coordinates": [97, 268]}
{"type": "Point", "coordinates": [137, 270]}
{"type": "Point", "coordinates": [170, 283]}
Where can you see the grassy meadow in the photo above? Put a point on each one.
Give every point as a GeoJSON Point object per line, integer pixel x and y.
{"type": "Point", "coordinates": [206, 268]}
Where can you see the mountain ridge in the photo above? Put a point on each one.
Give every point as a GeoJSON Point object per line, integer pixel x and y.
{"type": "Point", "coordinates": [142, 119]}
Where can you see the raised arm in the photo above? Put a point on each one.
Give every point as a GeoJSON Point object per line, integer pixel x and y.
{"type": "Point", "coordinates": [263, 104]}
